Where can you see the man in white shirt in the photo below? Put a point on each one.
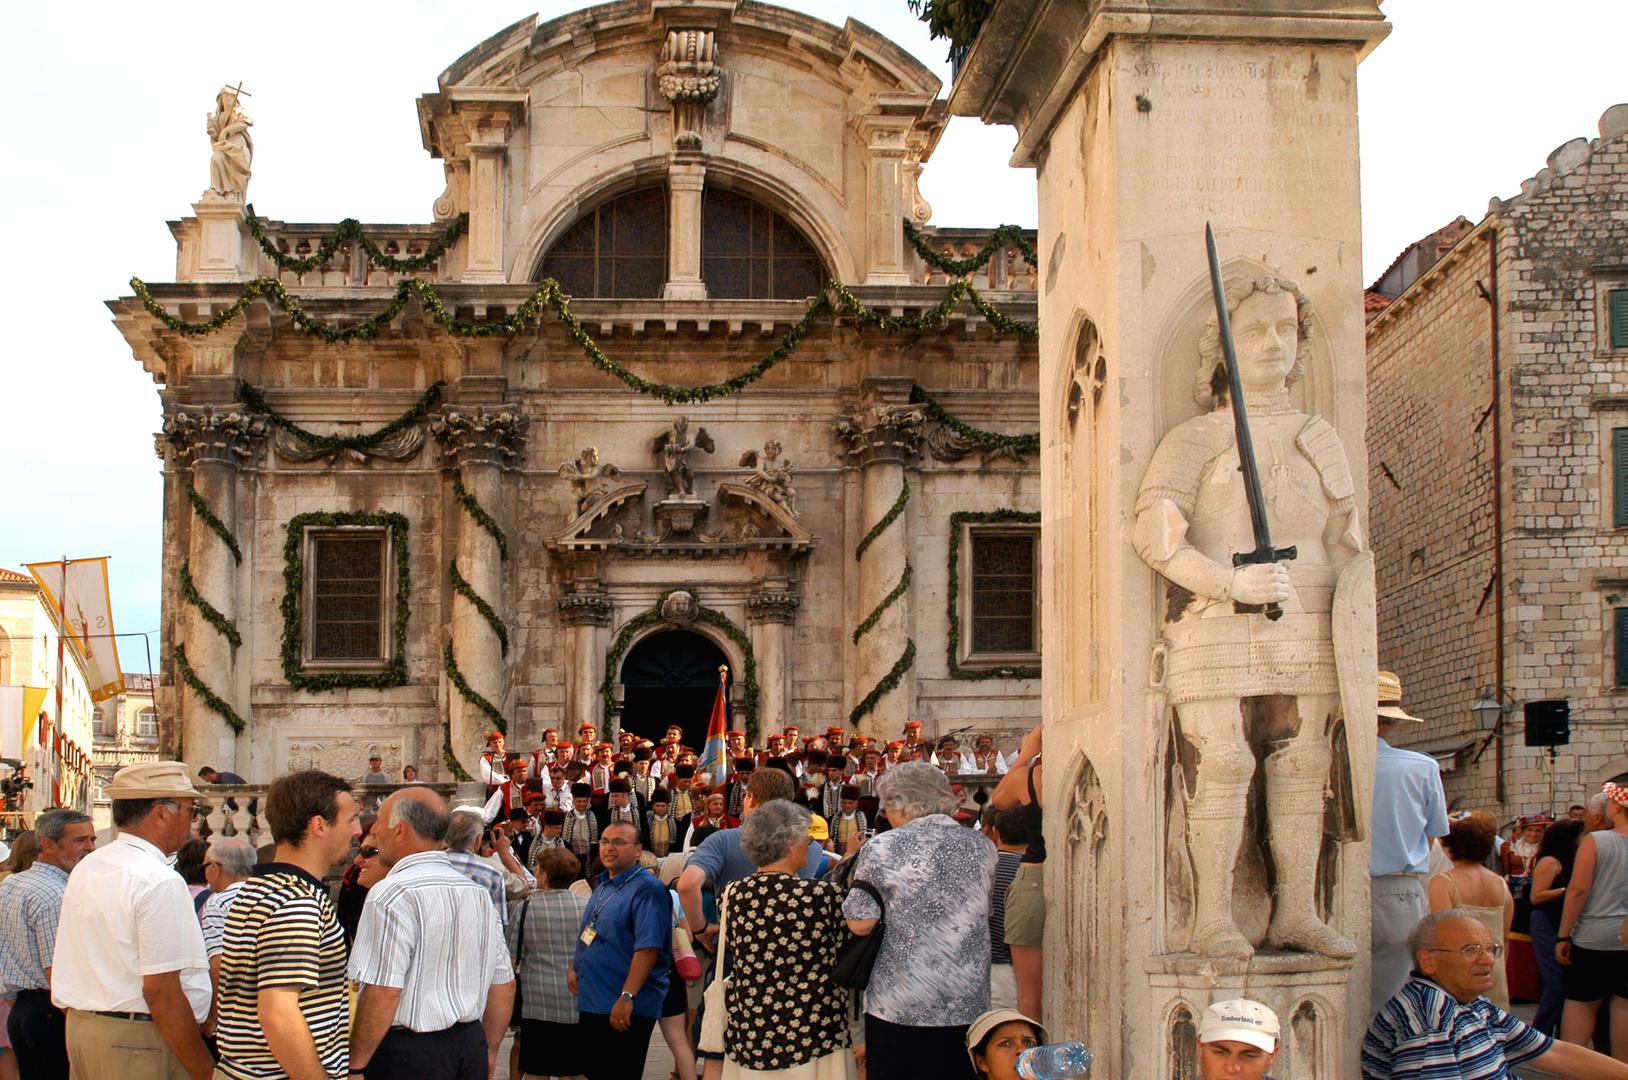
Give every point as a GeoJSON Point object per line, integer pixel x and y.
{"type": "Point", "coordinates": [433, 1003]}
{"type": "Point", "coordinates": [130, 970]}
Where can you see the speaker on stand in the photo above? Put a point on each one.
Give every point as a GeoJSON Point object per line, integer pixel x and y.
{"type": "Point", "coordinates": [1548, 724]}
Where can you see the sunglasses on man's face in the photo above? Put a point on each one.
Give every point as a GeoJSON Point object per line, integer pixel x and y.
{"type": "Point", "coordinates": [368, 852]}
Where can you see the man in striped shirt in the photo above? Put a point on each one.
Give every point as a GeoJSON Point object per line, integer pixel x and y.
{"type": "Point", "coordinates": [1439, 1027]}
{"type": "Point", "coordinates": [282, 1003]}
{"type": "Point", "coordinates": [437, 983]}
{"type": "Point", "coordinates": [1006, 831]}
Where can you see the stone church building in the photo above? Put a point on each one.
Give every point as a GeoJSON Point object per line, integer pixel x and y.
{"type": "Point", "coordinates": [411, 494]}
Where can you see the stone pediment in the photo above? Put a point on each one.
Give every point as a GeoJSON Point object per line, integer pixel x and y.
{"type": "Point", "coordinates": [746, 520]}
{"type": "Point", "coordinates": [756, 503]}
{"type": "Point", "coordinates": [596, 517]}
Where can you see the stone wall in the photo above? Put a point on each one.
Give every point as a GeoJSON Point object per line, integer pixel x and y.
{"type": "Point", "coordinates": [1561, 244]}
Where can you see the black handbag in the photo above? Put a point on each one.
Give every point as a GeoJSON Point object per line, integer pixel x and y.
{"type": "Point", "coordinates": [857, 957]}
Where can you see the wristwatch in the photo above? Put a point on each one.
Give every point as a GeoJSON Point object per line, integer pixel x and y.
{"type": "Point", "coordinates": [624, 996]}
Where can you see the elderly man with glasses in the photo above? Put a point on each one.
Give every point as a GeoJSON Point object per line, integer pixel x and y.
{"type": "Point", "coordinates": [1439, 1025]}
{"type": "Point", "coordinates": [130, 968]}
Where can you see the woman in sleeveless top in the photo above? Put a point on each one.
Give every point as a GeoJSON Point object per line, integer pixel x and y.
{"type": "Point", "coordinates": [1590, 945]}
{"type": "Point", "coordinates": [1549, 879]}
{"type": "Point", "coordinates": [1471, 886]}
{"type": "Point", "coordinates": [1020, 789]}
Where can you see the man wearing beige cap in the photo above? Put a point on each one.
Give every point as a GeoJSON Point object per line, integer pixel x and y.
{"type": "Point", "coordinates": [130, 968]}
{"type": "Point", "coordinates": [1237, 1040]}
{"type": "Point", "coordinates": [1409, 808]}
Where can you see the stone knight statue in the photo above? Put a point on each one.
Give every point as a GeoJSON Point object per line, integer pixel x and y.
{"type": "Point", "coordinates": [231, 148]}
{"type": "Point", "coordinates": [1236, 678]}
{"type": "Point", "coordinates": [673, 447]}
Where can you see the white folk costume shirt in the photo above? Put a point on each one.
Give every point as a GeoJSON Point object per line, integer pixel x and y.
{"type": "Point", "coordinates": [661, 833]}
{"type": "Point", "coordinates": [599, 779]}
{"type": "Point", "coordinates": [433, 933]}
{"type": "Point", "coordinates": [683, 805]}
{"type": "Point", "coordinates": [848, 825]}
{"type": "Point", "coordinates": [491, 772]}
{"type": "Point", "coordinates": [581, 832]}
{"type": "Point", "coordinates": [628, 814]}
{"type": "Point", "coordinates": [991, 763]}
{"type": "Point", "coordinates": [644, 785]}
{"type": "Point", "coordinates": [131, 915]}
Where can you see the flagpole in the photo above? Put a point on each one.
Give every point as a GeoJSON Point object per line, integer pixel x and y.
{"type": "Point", "coordinates": [62, 631]}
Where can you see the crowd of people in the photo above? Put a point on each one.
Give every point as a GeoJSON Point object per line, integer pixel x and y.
{"type": "Point", "coordinates": [839, 910]}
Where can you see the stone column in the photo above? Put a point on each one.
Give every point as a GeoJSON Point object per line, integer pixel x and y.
{"type": "Point", "coordinates": [890, 191]}
{"type": "Point", "coordinates": [585, 611]}
{"type": "Point", "coordinates": [211, 442]}
{"type": "Point", "coordinates": [883, 437]}
{"type": "Point", "coordinates": [1143, 126]}
{"type": "Point", "coordinates": [684, 182]}
{"type": "Point", "coordinates": [770, 610]}
{"type": "Point", "coordinates": [479, 443]}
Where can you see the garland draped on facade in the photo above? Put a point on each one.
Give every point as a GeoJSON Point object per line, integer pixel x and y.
{"type": "Point", "coordinates": [210, 698]}
{"type": "Point", "coordinates": [1001, 237]}
{"type": "Point", "coordinates": [988, 441]}
{"type": "Point", "coordinates": [211, 614]}
{"type": "Point", "coordinates": [427, 401]}
{"type": "Point", "coordinates": [471, 506]}
{"type": "Point", "coordinates": [351, 229]}
{"type": "Point", "coordinates": [395, 672]}
{"type": "Point", "coordinates": [907, 659]}
{"type": "Point", "coordinates": [710, 616]}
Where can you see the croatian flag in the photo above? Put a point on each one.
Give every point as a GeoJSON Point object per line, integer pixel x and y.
{"type": "Point", "coordinates": [715, 755]}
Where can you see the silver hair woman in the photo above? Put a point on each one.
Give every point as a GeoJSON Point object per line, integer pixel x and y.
{"type": "Point", "coordinates": [787, 1014]}
{"type": "Point", "coordinates": [931, 977]}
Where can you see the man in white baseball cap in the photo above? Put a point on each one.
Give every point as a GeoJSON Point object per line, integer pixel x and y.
{"type": "Point", "coordinates": [1237, 1040]}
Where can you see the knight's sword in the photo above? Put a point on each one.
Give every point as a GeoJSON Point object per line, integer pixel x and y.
{"type": "Point", "coordinates": [1264, 551]}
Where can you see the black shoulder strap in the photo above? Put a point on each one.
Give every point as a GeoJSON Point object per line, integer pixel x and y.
{"type": "Point", "coordinates": [1034, 799]}
{"type": "Point", "coordinates": [865, 886]}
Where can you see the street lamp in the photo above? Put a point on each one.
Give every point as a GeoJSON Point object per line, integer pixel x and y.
{"type": "Point", "coordinates": [1488, 711]}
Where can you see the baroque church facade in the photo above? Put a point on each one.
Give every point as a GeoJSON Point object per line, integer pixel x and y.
{"type": "Point", "coordinates": [414, 492]}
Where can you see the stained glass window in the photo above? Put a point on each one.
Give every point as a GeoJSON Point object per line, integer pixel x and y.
{"type": "Point", "coordinates": [749, 252]}
{"type": "Point", "coordinates": [1004, 588]}
{"type": "Point", "coordinates": [617, 250]}
{"type": "Point", "coordinates": [346, 596]}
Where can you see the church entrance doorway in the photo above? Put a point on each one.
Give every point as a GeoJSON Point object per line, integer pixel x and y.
{"type": "Point", "coordinates": [671, 677]}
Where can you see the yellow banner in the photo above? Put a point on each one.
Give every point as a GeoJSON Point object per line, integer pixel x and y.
{"type": "Point", "coordinates": [19, 719]}
{"type": "Point", "coordinates": [87, 601]}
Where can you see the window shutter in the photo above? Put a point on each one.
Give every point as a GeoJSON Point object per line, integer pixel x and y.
{"type": "Point", "coordinates": [1622, 646]}
{"type": "Point", "coordinates": [1618, 303]}
{"type": "Point", "coordinates": [1619, 476]}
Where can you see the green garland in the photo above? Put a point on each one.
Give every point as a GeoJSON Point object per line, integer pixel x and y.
{"type": "Point", "coordinates": [957, 21]}
{"type": "Point", "coordinates": [475, 510]}
{"type": "Point", "coordinates": [548, 294]}
{"type": "Point", "coordinates": [646, 619]}
{"type": "Point", "coordinates": [294, 585]}
{"type": "Point", "coordinates": [1001, 237]}
{"type": "Point", "coordinates": [887, 601]}
{"type": "Point", "coordinates": [889, 682]}
{"type": "Point", "coordinates": [988, 441]}
{"type": "Point", "coordinates": [454, 767]}
{"type": "Point", "coordinates": [210, 698]}
{"type": "Point", "coordinates": [427, 401]}
{"type": "Point", "coordinates": [211, 614]}
{"type": "Point", "coordinates": [467, 591]}
{"type": "Point", "coordinates": [980, 517]}
{"type": "Point", "coordinates": [351, 229]}
{"type": "Point", "coordinates": [887, 519]}
{"type": "Point", "coordinates": [216, 525]}
{"type": "Point", "coordinates": [471, 695]}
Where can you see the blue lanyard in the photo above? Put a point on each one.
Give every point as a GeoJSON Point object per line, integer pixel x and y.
{"type": "Point", "coordinates": [593, 917]}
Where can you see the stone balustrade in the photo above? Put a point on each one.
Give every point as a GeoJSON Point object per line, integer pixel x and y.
{"type": "Point", "coordinates": [1006, 271]}
{"type": "Point", "coordinates": [350, 265]}
{"type": "Point", "coordinates": [216, 818]}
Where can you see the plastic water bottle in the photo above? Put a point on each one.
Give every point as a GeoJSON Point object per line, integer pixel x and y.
{"type": "Point", "coordinates": [1055, 1061]}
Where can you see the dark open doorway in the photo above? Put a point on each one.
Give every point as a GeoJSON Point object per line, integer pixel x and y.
{"type": "Point", "coordinates": [670, 678]}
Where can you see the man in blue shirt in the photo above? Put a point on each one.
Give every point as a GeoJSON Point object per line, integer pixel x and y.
{"type": "Point", "coordinates": [1439, 1027]}
{"type": "Point", "coordinates": [1409, 808]}
{"type": "Point", "coordinates": [623, 953]}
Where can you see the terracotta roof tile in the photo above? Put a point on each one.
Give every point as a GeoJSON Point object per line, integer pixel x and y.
{"type": "Point", "coordinates": [13, 576]}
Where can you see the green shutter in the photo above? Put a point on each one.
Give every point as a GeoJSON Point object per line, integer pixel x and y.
{"type": "Point", "coordinates": [1619, 476]}
{"type": "Point", "coordinates": [1622, 646]}
{"type": "Point", "coordinates": [1618, 302]}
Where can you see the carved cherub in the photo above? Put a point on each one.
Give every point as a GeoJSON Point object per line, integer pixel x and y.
{"type": "Point", "coordinates": [674, 446]}
{"type": "Point", "coordinates": [587, 476]}
{"type": "Point", "coordinates": [772, 475]}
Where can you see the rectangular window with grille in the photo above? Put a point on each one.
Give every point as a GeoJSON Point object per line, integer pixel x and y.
{"type": "Point", "coordinates": [1617, 314]}
{"type": "Point", "coordinates": [347, 597]}
{"type": "Point", "coordinates": [1621, 642]}
{"type": "Point", "coordinates": [1619, 477]}
{"type": "Point", "coordinates": [1003, 574]}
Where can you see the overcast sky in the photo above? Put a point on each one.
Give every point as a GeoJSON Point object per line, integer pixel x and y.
{"type": "Point", "coordinates": [1463, 101]}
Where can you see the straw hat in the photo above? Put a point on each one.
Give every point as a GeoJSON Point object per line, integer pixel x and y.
{"type": "Point", "coordinates": [1390, 698]}
{"type": "Point", "coordinates": [153, 780]}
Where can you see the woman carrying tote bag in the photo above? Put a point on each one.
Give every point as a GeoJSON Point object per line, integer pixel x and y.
{"type": "Point", "coordinates": [787, 1016]}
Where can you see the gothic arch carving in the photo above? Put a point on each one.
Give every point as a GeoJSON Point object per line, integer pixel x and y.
{"type": "Point", "coordinates": [1181, 1041]}
{"type": "Point", "coordinates": [1307, 1049]}
{"type": "Point", "coordinates": [1089, 903]}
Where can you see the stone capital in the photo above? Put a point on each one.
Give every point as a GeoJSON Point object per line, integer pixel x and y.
{"type": "Point", "coordinates": [690, 78]}
{"type": "Point", "coordinates": [481, 435]}
{"type": "Point", "coordinates": [212, 435]}
{"type": "Point", "coordinates": [884, 428]}
{"type": "Point", "coordinates": [772, 606]}
{"type": "Point", "coordinates": [585, 608]}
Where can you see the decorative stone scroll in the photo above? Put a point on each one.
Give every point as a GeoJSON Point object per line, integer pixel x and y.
{"type": "Point", "coordinates": [772, 605]}
{"type": "Point", "coordinates": [480, 434]}
{"type": "Point", "coordinates": [690, 78]}
{"type": "Point", "coordinates": [210, 433]}
{"type": "Point", "coordinates": [404, 445]}
{"type": "Point", "coordinates": [585, 608]}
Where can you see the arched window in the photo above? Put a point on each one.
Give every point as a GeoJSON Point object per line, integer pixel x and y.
{"type": "Point", "coordinates": [750, 252]}
{"type": "Point", "coordinates": [617, 250]}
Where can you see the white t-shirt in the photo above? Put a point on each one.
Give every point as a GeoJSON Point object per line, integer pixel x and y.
{"type": "Point", "coordinates": [126, 914]}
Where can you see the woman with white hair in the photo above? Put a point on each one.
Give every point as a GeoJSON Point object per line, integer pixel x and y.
{"type": "Point", "coordinates": [787, 1015]}
{"type": "Point", "coordinates": [931, 977]}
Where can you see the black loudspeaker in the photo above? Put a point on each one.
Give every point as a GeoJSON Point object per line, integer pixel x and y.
{"type": "Point", "coordinates": [1548, 723]}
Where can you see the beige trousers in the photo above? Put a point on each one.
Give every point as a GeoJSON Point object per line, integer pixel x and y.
{"type": "Point", "coordinates": [108, 1048]}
